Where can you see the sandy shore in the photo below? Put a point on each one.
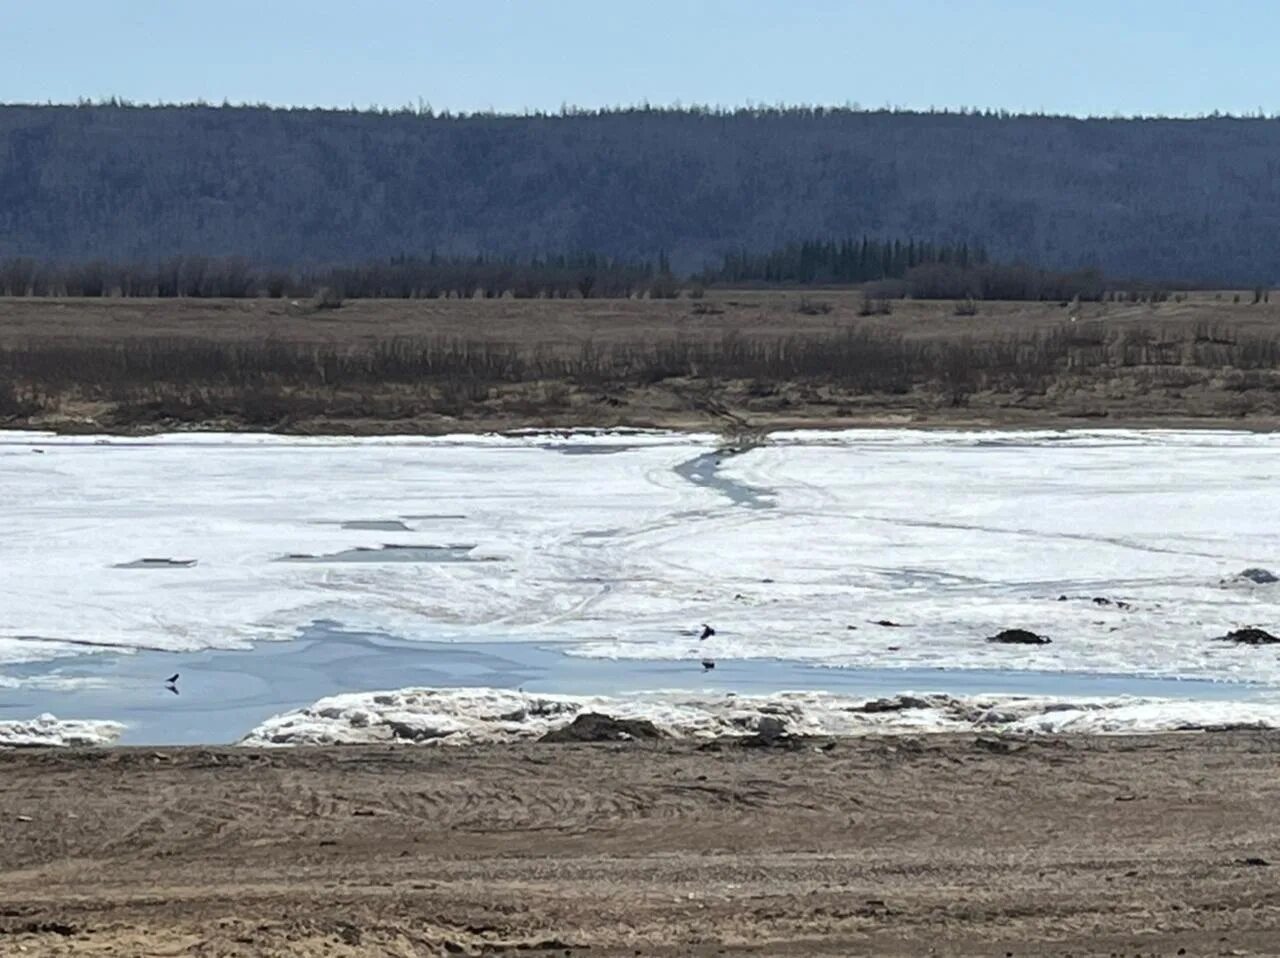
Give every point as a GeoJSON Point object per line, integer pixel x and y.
{"type": "Point", "coordinates": [932, 845]}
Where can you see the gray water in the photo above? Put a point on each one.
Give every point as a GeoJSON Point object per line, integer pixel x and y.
{"type": "Point", "coordinates": [704, 471]}
{"type": "Point", "coordinates": [391, 552]}
{"type": "Point", "coordinates": [223, 694]}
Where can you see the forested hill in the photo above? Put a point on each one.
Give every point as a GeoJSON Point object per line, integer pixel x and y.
{"type": "Point", "coordinates": [1153, 198]}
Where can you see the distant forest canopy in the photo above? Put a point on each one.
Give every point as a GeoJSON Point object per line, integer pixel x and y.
{"type": "Point", "coordinates": [885, 269]}
{"type": "Point", "coordinates": [846, 260]}
{"type": "Point", "coordinates": [294, 188]}
{"type": "Point", "coordinates": [580, 275]}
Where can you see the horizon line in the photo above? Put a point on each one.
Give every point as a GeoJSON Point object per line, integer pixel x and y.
{"type": "Point", "coordinates": [426, 110]}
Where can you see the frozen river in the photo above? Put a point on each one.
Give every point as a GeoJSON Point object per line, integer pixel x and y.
{"type": "Point", "coordinates": [851, 561]}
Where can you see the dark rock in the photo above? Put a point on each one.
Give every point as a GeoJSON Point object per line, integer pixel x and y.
{"type": "Point", "coordinates": [46, 928]}
{"type": "Point", "coordinates": [898, 703]}
{"type": "Point", "coordinates": [1019, 637]}
{"type": "Point", "coordinates": [408, 732]}
{"type": "Point", "coordinates": [770, 726]}
{"type": "Point", "coordinates": [349, 934]}
{"type": "Point", "coordinates": [1100, 600]}
{"type": "Point", "coordinates": [1259, 576]}
{"type": "Point", "coordinates": [1249, 636]}
{"type": "Point", "coordinates": [1000, 746]}
{"type": "Point", "coordinates": [771, 732]}
{"type": "Point", "coordinates": [594, 727]}
{"type": "Point", "coordinates": [792, 743]}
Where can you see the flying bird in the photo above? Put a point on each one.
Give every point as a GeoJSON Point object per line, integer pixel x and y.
{"type": "Point", "coordinates": [707, 632]}
{"type": "Point", "coordinates": [708, 665]}
{"type": "Point", "coordinates": [172, 679]}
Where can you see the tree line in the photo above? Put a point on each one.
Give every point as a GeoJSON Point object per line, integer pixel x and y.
{"type": "Point", "coordinates": [582, 276]}
{"type": "Point", "coordinates": [886, 269]}
{"type": "Point", "coordinates": [848, 260]}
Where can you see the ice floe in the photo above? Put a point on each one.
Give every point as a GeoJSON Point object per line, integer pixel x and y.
{"type": "Point", "coordinates": [482, 715]}
{"type": "Point", "coordinates": [46, 731]}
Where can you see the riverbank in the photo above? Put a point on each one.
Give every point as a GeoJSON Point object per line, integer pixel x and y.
{"type": "Point", "coordinates": [939, 844]}
{"type": "Point", "coordinates": [735, 362]}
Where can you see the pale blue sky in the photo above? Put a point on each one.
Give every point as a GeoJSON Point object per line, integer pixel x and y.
{"type": "Point", "coordinates": [1062, 56]}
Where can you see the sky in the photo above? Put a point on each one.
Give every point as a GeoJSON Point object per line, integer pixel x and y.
{"type": "Point", "coordinates": [1082, 57]}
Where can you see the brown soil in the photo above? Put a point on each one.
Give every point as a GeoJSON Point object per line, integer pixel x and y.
{"type": "Point", "coordinates": [941, 845]}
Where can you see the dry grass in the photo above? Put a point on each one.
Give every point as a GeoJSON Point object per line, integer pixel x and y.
{"type": "Point", "coordinates": [573, 321]}
{"type": "Point", "coordinates": [733, 360]}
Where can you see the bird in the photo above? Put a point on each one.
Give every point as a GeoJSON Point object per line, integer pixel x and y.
{"type": "Point", "coordinates": [171, 680]}
{"type": "Point", "coordinates": [708, 665]}
{"type": "Point", "coordinates": [707, 632]}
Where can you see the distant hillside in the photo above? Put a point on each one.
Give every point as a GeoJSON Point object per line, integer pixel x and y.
{"type": "Point", "coordinates": [1153, 198]}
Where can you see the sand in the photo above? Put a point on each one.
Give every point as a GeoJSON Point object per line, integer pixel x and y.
{"type": "Point", "coordinates": [928, 845]}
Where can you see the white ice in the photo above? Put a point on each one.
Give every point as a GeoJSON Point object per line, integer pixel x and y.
{"type": "Point", "coordinates": [482, 715]}
{"type": "Point", "coordinates": [47, 731]}
{"type": "Point", "coordinates": [954, 535]}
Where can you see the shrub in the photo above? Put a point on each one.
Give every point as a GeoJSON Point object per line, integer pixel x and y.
{"type": "Point", "coordinates": [327, 298]}
{"type": "Point", "coordinates": [15, 406]}
{"type": "Point", "coordinates": [813, 307]}
{"type": "Point", "coordinates": [871, 306]}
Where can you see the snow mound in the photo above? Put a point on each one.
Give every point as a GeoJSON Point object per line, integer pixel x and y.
{"type": "Point", "coordinates": [49, 731]}
{"type": "Point", "coordinates": [485, 715]}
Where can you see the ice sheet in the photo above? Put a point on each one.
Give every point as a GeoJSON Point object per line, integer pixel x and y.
{"type": "Point", "coordinates": [479, 715]}
{"type": "Point", "coordinates": [237, 505]}
{"type": "Point", "coordinates": [951, 535]}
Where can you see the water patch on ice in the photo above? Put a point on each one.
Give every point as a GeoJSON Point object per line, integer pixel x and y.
{"type": "Point", "coordinates": [392, 553]}
{"type": "Point", "coordinates": [225, 693]}
{"type": "Point", "coordinates": [705, 471]}
{"type": "Point", "coordinates": [376, 525]}
{"type": "Point", "coordinates": [156, 563]}
{"type": "Point", "coordinates": [587, 449]}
